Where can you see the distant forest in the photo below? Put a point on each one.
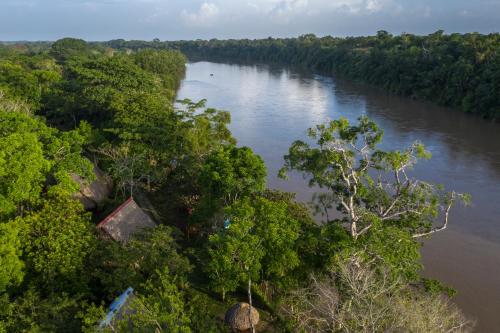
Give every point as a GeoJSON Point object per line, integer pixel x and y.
{"type": "Point", "coordinates": [456, 70]}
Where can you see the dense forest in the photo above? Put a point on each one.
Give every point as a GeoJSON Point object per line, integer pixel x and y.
{"type": "Point", "coordinates": [73, 114]}
{"type": "Point", "coordinates": [457, 70]}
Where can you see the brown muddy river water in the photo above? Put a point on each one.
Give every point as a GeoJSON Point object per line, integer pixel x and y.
{"type": "Point", "coordinates": [272, 107]}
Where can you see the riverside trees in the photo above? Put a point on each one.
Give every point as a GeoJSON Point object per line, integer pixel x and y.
{"type": "Point", "coordinates": [383, 212]}
{"type": "Point", "coordinates": [458, 70]}
{"type": "Point", "coordinates": [117, 109]}
{"type": "Point", "coordinates": [364, 265]}
{"type": "Point", "coordinates": [372, 190]}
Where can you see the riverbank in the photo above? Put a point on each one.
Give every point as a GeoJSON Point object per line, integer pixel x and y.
{"type": "Point", "coordinates": [271, 107]}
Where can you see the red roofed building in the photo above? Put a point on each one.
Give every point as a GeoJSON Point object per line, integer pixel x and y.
{"type": "Point", "coordinates": [126, 220]}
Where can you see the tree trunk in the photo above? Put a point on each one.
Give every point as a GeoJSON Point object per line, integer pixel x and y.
{"type": "Point", "coordinates": [354, 230]}
{"type": "Point", "coordinates": [250, 303]}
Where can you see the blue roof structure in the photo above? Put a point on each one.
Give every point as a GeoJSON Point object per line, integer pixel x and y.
{"type": "Point", "coordinates": [115, 307]}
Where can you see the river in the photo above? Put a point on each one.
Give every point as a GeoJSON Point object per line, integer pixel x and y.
{"type": "Point", "coordinates": [271, 107]}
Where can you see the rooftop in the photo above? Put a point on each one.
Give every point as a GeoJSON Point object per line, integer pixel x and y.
{"type": "Point", "coordinates": [126, 220]}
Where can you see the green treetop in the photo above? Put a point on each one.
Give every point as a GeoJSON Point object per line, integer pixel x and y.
{"type": "Point", "coordinates": [370, 187]}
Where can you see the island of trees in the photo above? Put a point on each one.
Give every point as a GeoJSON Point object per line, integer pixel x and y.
{"type": "Point", "coordinates": [70, 108]}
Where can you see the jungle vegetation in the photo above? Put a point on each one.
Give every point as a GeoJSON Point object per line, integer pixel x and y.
{"type": "Point", "coordinates": [457, 70]}
{"type": "Point", "coordinates": [222, 235]}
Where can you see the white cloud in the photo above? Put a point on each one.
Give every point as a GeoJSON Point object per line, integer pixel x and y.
{"type": "Point", "coordinates": [285, 10]}
{"type": "Point", "coordinates": [287, 6]}
{"type": "Point", "coordinates": [361, 6]}
{"type": "Point", "coordinates": [270, 6]}
{"type": "Point", "coordinates": [205, 16]}
{"type": "Point", "coordinates": [374, 5]}
{"type": "Point", "coordinates": [290, 5]}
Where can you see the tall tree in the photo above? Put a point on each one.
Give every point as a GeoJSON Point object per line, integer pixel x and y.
{"type": "Point", "coordinates": [57, 243]}
{"type": "Point", "coordinates": [66, 48]}
{"type": "Point", "coordinates": [370, 187]}
{"type": "Point", "coordinates": [235, 252]}
{"type": "Point", "coordinates": [32, 156]}
{"type": "Point", "coordinates": [232, 173]}
{"type": "Point", "coordinates": [12, 271]}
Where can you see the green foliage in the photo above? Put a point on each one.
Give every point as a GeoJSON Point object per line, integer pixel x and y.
{"type": "Point", "coordinates": [368, 186]}
{"type": "Point", "coordinates": [67, 48]}
{"type": "Point", "coordinates": [397, 250]}
{"type": "Point", "coordinates": [204, 129]}
{"type": "Point", "coordinates": [168, 65]}
{"type": "Point", "coordinates": [294, 243]}
{"type": "Point", "coordinates": [23, 166]}
{"type": "Point", "coordinates": [57, 276]}
{"type": "Point", "coordinates": [392, 248]}
{"type": "Point", "coordinates": [97, 89]}
{"type": "Point", "coordinates": [138, 135]}
{"type": "Point", "coordinates": [278, 232]}
{"type": "Point", "coordinates": [18, 82]}
{"type": "Point", "coordinates": [161, 308]}
{"type": "Point", "coordinates": [8, 104]}
{"type": "Point", "coordinates": [35, 314]}
{"type": "Point", "coordinates": [383, 209]}
{"type": "Point", "coordinates": [57, 242]}
{"type": "Point", "coordinates": [32, 155]}
{"type": "Point", "coordinates": [325, 162]}
{"type": "Point", "coordinates": [90, 316]}
{"type": "Point", "coordinates": [204, 313]}
{"type": "Point", "coordinates": [28, 79]}
{"type": "Point", "coordinates": [236, 252]}
{"type": "Point", "coordinates": [458, 70]}
{"type": "Point", "coordinates": [12, 271]}
{"type": "Point", "coordinates": [201, 131]}
{"type": "Point", "coordinates": [120, 266]}
{"type": "Point", "coordinates": [142, 139]}
{"type": "Point", "coordinates": [434, 286]}
{"type": "Point", "coordinates": [231, 173]}
{"type": "Point", "coordinates": [53, 267]}
{"type": "Point", "coordinates": [264, 240]}
{"type": "Point", "coordinates": [154, 144]}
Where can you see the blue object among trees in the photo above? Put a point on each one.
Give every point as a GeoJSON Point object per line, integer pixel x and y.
{"type": "Point", "coordinates": [116, 308]}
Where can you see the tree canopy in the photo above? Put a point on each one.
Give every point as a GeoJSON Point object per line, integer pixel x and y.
{"type": "Point", "coordinates": [369, 186]}
{"type": "Point", "coordinates": [32, 154]}
{"type": "Point", "coordinates": [74, 114]}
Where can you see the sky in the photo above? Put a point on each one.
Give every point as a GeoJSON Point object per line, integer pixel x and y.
{"type": "Point", "coordinates": [192, 19]}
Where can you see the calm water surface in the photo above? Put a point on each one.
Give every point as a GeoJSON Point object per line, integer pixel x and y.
{"type": "Point", "coordinates": [272, 107]}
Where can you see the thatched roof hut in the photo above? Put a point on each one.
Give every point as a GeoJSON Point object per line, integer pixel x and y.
{"type": "Point", "coordinates": [237, 317]}
{"type": "Point", "coordinates": [91, 195]}
{"type": "Point", "coordinates": [126, 220]}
